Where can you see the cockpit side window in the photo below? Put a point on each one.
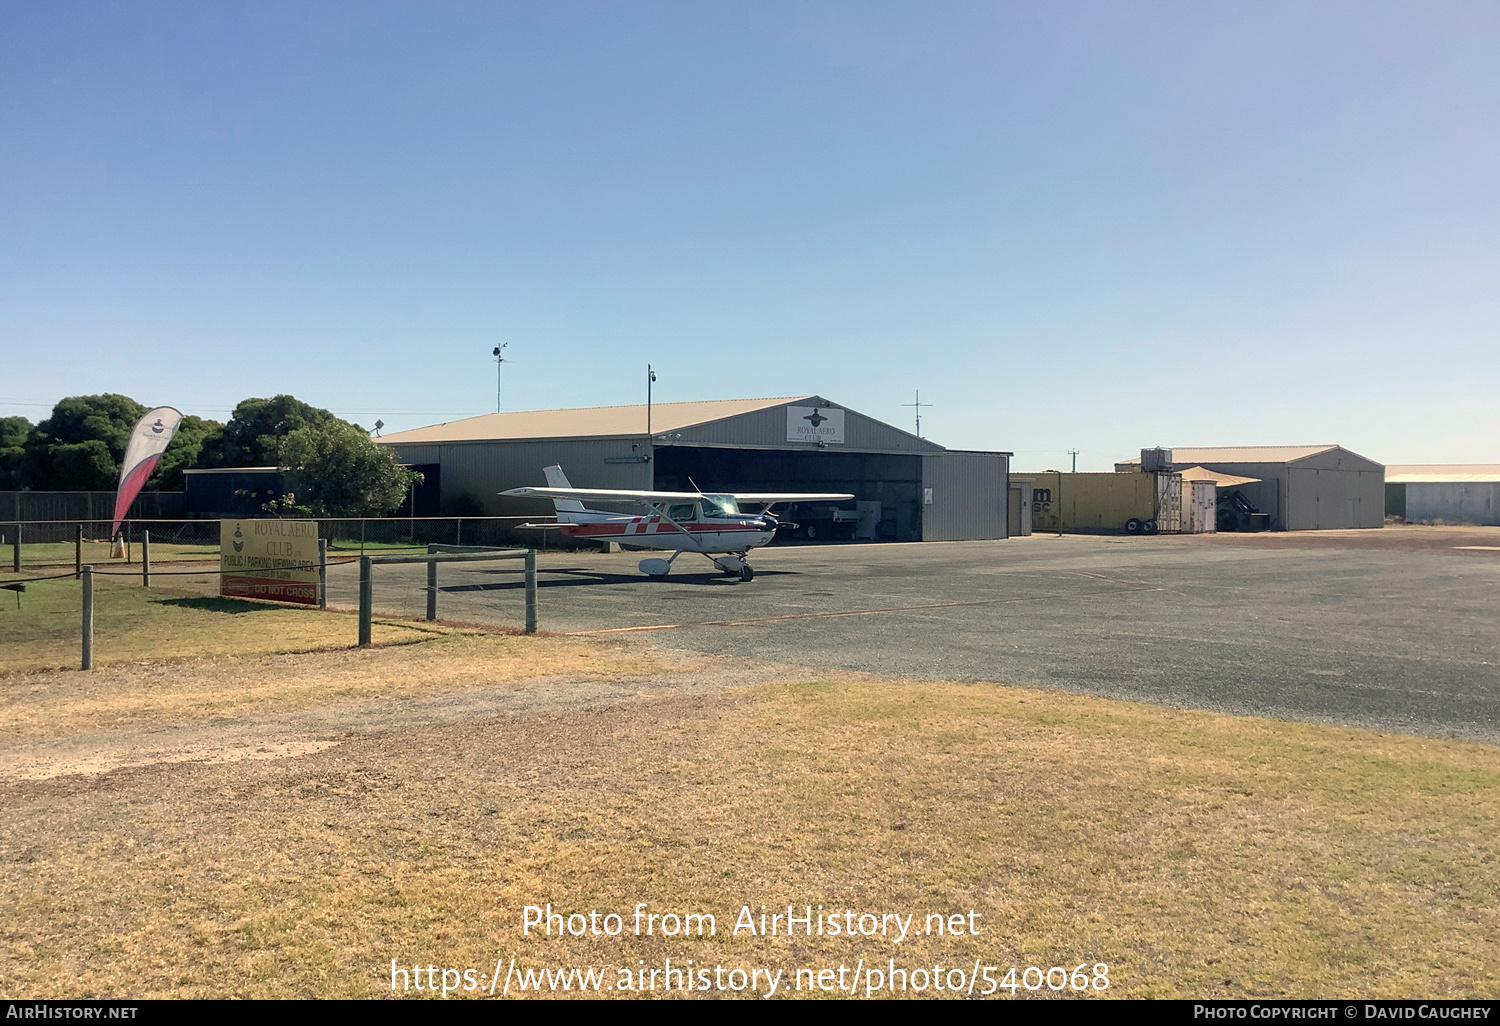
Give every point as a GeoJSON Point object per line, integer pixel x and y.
{"type": "Point", "coordinates": [682, 511]}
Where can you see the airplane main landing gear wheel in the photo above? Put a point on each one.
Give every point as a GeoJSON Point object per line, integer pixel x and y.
{"type": "Point", "coordinates": [746, 574]}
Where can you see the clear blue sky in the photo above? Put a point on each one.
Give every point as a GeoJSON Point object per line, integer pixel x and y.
{"type": "Point", "coordinates": [1086, 225]}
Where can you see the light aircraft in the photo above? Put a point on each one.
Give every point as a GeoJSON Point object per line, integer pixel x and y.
{"type": "Point", "coordinates": [711, 524]}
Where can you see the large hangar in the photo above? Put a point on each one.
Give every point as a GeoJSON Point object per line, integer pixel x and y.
{"type": "Point", "coordinates": [1454, 493]}
{"type": "Point", "coordinates": [1302, 487]}
{"type": "Point", "coordinates": [906, 488]}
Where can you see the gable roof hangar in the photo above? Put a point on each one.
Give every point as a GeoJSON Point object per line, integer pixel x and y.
{"type": "Point", "coordinates": [1187, 457]}
{"type": "Point", "coordinates": [737, 423]}
{"type": "Point", "coordinates": [908, 487]}
{"type": "Point", "coordinates": [1303, 487]}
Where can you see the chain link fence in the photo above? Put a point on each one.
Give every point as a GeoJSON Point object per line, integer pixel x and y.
{"type": "Point", "coordinates": [41, 544]}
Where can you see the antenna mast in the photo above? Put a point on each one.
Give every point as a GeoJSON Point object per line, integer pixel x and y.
{"type": "Point", "coordinates": [918, 404]}
{"type": "Point", "coordinates": [499, 359]}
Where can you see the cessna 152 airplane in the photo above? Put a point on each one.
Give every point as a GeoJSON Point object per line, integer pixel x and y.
{"type": "Point", "coordinates": [711, 524]}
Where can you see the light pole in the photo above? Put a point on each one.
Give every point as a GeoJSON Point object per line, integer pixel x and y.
{"type": "Point", "coordinates": [499, 359]}
{"type": "Point", "coordinates": [650, 377]}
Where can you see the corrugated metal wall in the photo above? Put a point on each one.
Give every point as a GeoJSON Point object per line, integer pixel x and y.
{"type": "Point", "coordinates": [767, 429]}
{"type": "Point", "coordinates": [968, 495]}
{"type": "Point", "coordinates": [1454, 502]}
{"type": "Point", "coordinates": [26, 506]}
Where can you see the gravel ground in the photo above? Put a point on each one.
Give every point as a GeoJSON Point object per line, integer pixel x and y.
{"type": "Point", "coordinates": [1393, 629]}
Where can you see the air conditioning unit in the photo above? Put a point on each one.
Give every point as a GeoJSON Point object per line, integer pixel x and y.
{"type": "Point", "coordinates": [1156, 461]}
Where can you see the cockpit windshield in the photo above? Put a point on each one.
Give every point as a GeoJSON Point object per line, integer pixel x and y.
{"type": "Point", "coordinates": [720, 506]}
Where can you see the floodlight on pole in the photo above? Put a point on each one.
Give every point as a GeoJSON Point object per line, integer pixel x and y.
{"type": "Point", "coordinates": [499, 359]}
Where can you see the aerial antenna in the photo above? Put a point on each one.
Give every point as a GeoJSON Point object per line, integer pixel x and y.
{"type": "Point", "coordinates": [499, 359]}
{"type": "Point", "coordinates": [378, 425]}
{"type": "Point", "coordinates": [650, 377]}
{"type": "Point", "coordinates": [918, 404]}
{"type": "Point", "coordinates": [1074, 453]}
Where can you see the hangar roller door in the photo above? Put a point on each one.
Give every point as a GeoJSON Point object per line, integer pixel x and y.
{"type": "Point", "coordinates": [893, 480]}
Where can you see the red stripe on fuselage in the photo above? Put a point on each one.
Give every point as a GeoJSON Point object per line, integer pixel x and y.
{"type": "Point", "coordinates": [651, 529]}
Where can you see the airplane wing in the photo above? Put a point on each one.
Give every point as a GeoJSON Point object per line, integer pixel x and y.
{"type": "Point", "coordinates": [773, 497]}
{"type": "Point", "coordinates": [605, 494]}
{"type": "Point", "coordinates": [621, 495]}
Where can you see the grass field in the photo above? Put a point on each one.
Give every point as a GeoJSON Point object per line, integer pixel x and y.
{"type": "Point", "coordinates": [1196, 854]}
{"type": "Point", "coordinates": [179, 618]}
{"type": "Point", "coordinates": [98, 553]}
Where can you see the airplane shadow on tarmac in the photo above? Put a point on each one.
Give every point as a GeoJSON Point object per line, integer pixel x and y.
{"type": "Point", "coordinates": [579, 576]}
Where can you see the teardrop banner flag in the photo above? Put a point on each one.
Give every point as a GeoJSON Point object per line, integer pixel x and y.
{"type": "Point", "coordinates": [148, 440]}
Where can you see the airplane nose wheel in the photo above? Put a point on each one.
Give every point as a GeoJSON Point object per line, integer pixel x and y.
{"type": "Point", "coordinates": [747, 574]}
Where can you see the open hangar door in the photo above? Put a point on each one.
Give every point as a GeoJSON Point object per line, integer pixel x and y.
{"type": "Point", "coordinates": [895, 481]}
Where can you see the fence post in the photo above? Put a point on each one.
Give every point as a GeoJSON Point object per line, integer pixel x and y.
{"type": "Point", "coordinates": [366, 600]}
{"type": "Point", "coordinates": [530, 591]}
{"type": "Point", "coordinates": [431, 585]}
{"type": "Point", "coordinates": [88, 618]}
{"type": "Point", "coordinates": [460, 539]}
{"type": "Point", "coordinates": [78, 553]}
{"type": "Point", "coordinates": [322, 573]}
{"type": "Point", "coordinates": [145, 559]}
{"type": "Point", "coordinates": [361, 536]}
{"type": "Point", "coordinates": [15, 549]}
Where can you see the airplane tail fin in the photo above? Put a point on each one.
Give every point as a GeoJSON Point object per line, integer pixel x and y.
{"type": "Point", "coordinates": [557, 479]}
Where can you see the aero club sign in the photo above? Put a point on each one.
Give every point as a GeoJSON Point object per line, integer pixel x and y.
{"type": "Point", "coordinates": [269, 559]}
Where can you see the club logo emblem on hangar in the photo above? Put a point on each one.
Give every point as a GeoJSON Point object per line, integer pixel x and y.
{"type": "Point", "coordinates": [820, 425]}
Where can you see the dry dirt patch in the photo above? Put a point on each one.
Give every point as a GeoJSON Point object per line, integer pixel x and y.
{"type": "Point", "coordinates": [1197, 854]}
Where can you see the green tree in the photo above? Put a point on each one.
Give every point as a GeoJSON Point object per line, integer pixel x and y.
{"type": "Point", "coordinates": [80, 446]}
{"type": "Point", "coordinates": [13, 432]}
{"type": "Point", "coordinates": [253, 435]}
{"type": "Point", "coordinates": [345, 473]}
{"type": "Point", "coordinates": [183, 454]}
